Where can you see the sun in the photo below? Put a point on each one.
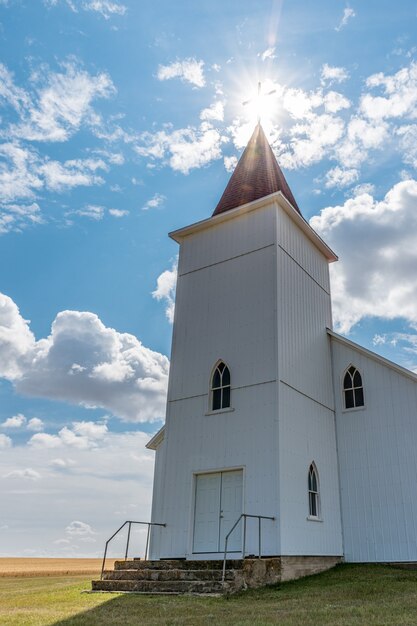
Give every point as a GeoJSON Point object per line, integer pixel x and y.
{"type": "Point", "coordinates": [260, 103]}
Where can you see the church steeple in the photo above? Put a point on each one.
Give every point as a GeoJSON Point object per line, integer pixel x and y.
{"type": "Point", "coordinates": [256, 175]}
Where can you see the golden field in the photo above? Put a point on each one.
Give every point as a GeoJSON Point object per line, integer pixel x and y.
{"type": "Point", "coordinates": [51, 567]}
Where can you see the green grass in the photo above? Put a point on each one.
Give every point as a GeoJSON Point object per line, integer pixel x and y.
{"type": "Point", "coordinates": [348, 595]}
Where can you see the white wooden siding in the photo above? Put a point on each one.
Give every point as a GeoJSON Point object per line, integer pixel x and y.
{"type": "Point", "coordinates": [378, 461]}
{"type": "Point", "coordinates": [304, 349]}
{"type": "Point", "coordinates": [247, 292]}
{"type": "Point", "coordinates": [224, 241]}
{"type": "Point", "coordinates": [307, 434]}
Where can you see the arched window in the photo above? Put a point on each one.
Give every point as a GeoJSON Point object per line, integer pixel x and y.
{"type": "Point", "coordinates": [220, 387]}
{"type": "Point", "coordinates": [313, 492]}
{"type": "Point", "coordinates": [353, 388]}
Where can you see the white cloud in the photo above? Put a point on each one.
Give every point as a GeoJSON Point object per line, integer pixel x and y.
{"type": "Point", "coordinates": [79, 528]}
{"type": "Point", "coordinates": [16, 217]}
{"type": "Point", "coordinates": [91, 486]}
{"type": "Point", "coordinates": [400, 95]}
{"type": "Point", "coordinates": [19, 178]}
{"type": "Point", "coordinates": [26, 474]}
{"type": "Point", "coordinates": [338, 177]}
{"type": "Point", "coordinates": [5, 442]}
{"type": "Point", "coordinates": [334, 102]}
{"type": "Point", "coordinates": [61, 464]}
{"type": "Point", "coordinates": [118, 212]}
{"type": "Point", "coordinates": [377, 245]}
{"type": "Point", "coordinates": [92, 211]}
{"type": "Point", "coordinates": [24, 173]}
{"type": "Point", "coordinates": [113, 370]}
{"type": "Point", "coordinates": [408, 143]}
{"type": "Point", "coordinates": [61, 102]}
{"type": "Point", "coordinates": [72, 173]}
{"type": "Point", "coordinates": [348, 14]}
{"type": "Point", "coordinates": [16, 339]}
{"type": "Point", "coordinates": [106, 8]}
{"type": "Point", "coordinates": [213, 112]}
{"type": "Point", "coordinates": [182, 149]}
{"type": "Point", "coordinates": [312, 140]}
{"type": "Point", "coordinates": [17, 421]}
{"type": "Point", "coordinates": [165, 289]}
{"type": "Point", "coordinates": [269, 53]}
{"type": "Point", "coordinates": [230, 163]}
{"type": "Point", "coordinates": [189, 70]}
{"type": "Point", "coordinates": [332, 74]}
{"type": "Point", "coordinates": [35, 424]}
{"type": "Point", "coordinates": [156, 201]}
{"type": "Point", "coordinates": [363, 188]}
{"type": "Point", "coordinates": [82, 435]}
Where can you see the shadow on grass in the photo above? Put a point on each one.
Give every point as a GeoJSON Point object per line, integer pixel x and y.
{"type": "Point", "coordinates": [346, 595]}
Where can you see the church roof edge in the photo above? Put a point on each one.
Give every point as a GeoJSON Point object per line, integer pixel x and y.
{"type": "Point", "coordinates": [179, 234]}
{"type": "Point", "coordinates": [372, 355]}
{"type": "Point", "coordinates": [157, 439]}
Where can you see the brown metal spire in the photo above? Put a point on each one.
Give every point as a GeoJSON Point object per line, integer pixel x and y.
{"type": "Point", "coordinates": [256, 175]}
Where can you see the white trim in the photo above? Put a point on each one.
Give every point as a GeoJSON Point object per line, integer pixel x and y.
{"type": "Point", "coordinates": [157, 439]}
{"type": "Point", "coordinates": [372, 355]}
{"type": "Point", "coordinates": [343, 390]}
{"type": "Point", "coordinates": [229, 409]}
{"type": "Point", "coordinates": [311, 518]}
{"type": "Point", "coordinates": [222, 470]}
{"type": "Point", "coordinates": [210, 411]}
{"type": "Point", "coordinates": [276, 198]}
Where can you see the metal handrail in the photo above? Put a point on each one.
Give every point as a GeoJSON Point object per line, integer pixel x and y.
{"type": "Point", "coordinates": [244, 515]}
{"type": "Point", "coordinates": [130, 522]}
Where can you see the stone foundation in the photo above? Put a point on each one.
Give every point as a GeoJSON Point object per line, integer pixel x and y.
{"type": "Point", "coordinates": [293, 567]}
{"type": "Point", "coordinates": [205, 577]}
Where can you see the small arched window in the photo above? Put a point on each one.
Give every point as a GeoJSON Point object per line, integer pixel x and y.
{"type": "Point", "coordinates": [220, 387]}
{"type": "Point", "coordinates": [313, 492]}
{"type": "Point", "coordinates": [353, 388]}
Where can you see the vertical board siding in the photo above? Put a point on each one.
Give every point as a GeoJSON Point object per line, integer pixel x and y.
{"type": "Point", "coordinates": [304, 350]}
{"type": "Point", "coordinates": [244, 438]}
{"type": "Point", "coordinates": [302, 250]}
{"type": "Point", "coordinates": [378, 461]}
{"type": "Point", "coordinates": [307, 434]}
{"type": "Point", "coordinates": [226, 311]}
{"type": "Point", "coordinates": [226, 240]}
{"type": "Point", "coordinates": [225, 308]}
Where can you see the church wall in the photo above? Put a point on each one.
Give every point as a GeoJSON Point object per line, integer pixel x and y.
{"type": "Point", "coordinates": [228, 239]}
{"type": "Point", "coordinates": [306, 435]}
{"type": "Point", "coordinates": [225, 309]}
{"type": "Point", "coordinates": [306, 404]}
{"type": "Point", "coordinates": [157, 496]}
{"type": "Point", "coordinates": [304, 311]}
{"type": "Point", "coordinates": [378, 462]}
{"type": "Point", "coordinates": [242, 438]}
{"type": "Point", "coordinates": [291, 239]}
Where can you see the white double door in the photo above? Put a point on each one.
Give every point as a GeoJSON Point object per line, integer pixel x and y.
{"type": "Point", "coordinates": [218, 505]}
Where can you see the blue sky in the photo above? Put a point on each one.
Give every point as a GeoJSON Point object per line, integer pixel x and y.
{"type": "Point", "coordinates": [122, 121]}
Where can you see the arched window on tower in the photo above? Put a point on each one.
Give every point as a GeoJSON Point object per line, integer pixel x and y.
{"type": "Point", "coordinates": [313, 492]}
{"type": "Point", "coordinates": [220, 387]}
{"type": "Point", "coordinates": [353, 388]}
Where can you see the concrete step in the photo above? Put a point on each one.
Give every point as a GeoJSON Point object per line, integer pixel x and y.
{"type": "Point", "coordinates": [160, 586]}
{"type": "Point", "coordinates": [177, 564]}
{"type": "Point", "coordinates": [168, 574]}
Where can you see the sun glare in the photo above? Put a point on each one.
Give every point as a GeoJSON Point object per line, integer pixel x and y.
{"type": "Point", "coordinates": [260, 103]}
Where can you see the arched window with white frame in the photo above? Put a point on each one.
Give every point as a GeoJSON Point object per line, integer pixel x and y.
{"type": "Point", "coordinates": [220, 387]}
{"type": "Point", "coordinates": [313, 491]}
{"type": "Point", "coordinates": [353, 388]}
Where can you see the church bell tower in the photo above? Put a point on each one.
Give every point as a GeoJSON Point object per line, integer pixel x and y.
{"type": "Point", "coordinates": [250, 424]}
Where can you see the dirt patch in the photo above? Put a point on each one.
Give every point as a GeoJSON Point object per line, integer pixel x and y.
{"type": "Point", "coordinates": [51, 567]}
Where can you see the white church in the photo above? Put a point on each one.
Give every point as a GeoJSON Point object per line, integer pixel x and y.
{"type": "Point", "coordinates": [270, 413]}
